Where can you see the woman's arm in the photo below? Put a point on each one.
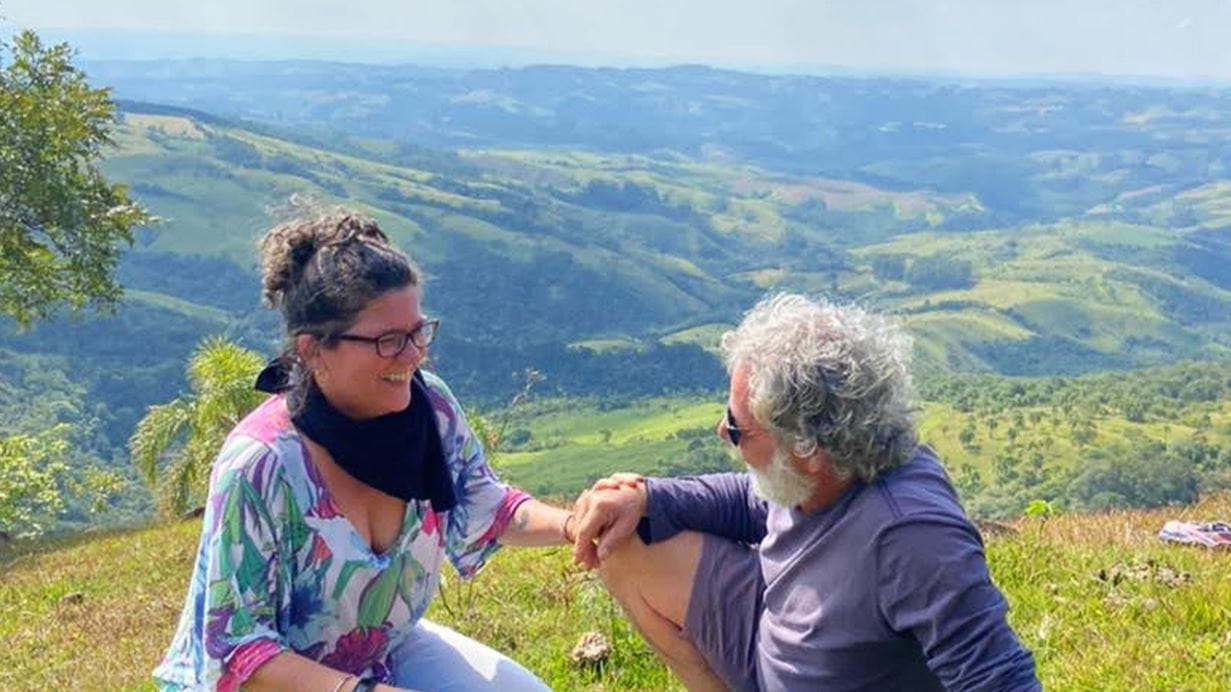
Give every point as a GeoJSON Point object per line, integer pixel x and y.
{"type": "Point", "coordinates": [537, 524]}
{"type": "Point", "coordinates": [290, 671]}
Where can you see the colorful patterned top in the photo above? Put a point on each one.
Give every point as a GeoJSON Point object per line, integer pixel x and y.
{"type": "Point", "coordinates": [278, 568]}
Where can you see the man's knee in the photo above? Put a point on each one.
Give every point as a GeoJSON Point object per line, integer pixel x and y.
{"type": "Point", "coordinates": [659, 575]}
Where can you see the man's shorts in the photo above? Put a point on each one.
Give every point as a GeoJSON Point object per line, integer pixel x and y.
{"type": "Point", "coordinates": [724, 610]}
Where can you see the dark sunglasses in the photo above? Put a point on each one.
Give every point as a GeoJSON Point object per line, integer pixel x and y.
{"type": "Point", "coordinates": [391, 344]}
{"type": "Point", "coordinates": [733, 431]}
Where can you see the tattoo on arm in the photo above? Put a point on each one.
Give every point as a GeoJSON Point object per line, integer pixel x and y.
{"type": "Point", "coordinates": [521, 518]}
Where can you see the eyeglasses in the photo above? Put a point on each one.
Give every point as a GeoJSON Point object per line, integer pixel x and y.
{"type": "Point", "coordinates": [733, 431]}
{"type": "Point", "coordinates": [391, 344]}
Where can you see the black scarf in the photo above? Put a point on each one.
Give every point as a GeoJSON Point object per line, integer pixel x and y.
{"type": "Point", "coordinates": [399, 453]}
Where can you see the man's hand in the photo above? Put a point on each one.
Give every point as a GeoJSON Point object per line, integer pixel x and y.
{"type": "Point", "coordinates": [605, 515]}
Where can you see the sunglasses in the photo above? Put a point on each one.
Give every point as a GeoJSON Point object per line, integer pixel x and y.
{"type": "Point", "coordinates": [733, 431]}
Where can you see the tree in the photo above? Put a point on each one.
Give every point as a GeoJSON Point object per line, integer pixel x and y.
{"type": "Point", "coordinates": [175, 443]}
{"type": "Point", "coordinates": [967, 435]}
{"type": "Point", "coordinates": [30, 466]}
{"type": "Point", "coordinates": [939, 272]}
{"type": "Point", "coordinates": [62, 223]}
{"type": "Point", "coordinates": [889, 266]}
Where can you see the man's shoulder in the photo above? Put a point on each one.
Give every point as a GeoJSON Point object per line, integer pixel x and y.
{"type": "Point", "coordinates": [919, 487]}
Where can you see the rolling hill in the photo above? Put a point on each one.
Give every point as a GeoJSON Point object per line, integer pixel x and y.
{"type": "Point", "coordinates": [613, 246]}
{"type": "Point", "coordinates": [603, 227]}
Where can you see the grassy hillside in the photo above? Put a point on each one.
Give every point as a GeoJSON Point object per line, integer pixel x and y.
{"type": "Point", "coordinates": [1100, 601]}
{"type": "Point", "coordinates": [564, 445]}
{"type": "Point", "coordinates": [603, 248]}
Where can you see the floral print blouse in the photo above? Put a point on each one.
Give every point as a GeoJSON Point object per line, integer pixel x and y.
{"type": "Point", "coordinates": [278, 568]}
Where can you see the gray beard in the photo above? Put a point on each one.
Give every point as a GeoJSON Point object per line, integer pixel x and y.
{"type": "Point", "coordinates": [781, 483]}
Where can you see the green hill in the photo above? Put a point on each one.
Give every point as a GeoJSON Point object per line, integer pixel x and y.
{"type": "Point", "coordinates": [601, 248]}
{"type": "Point", "coordinates": [1057, 299]}
{"type": "Point", "coordinates": [1154, 436]}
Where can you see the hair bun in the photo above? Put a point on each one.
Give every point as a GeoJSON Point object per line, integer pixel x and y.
{"type": "Point", "coordinates": [284, 251]}
{"type": "Point", "coordinates": [287, 250]}
{"type": "Point", "coordinates": [348, 228]}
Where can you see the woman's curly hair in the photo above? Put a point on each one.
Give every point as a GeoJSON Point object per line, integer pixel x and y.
{"type": "Point", "coordinates": [320, 273]}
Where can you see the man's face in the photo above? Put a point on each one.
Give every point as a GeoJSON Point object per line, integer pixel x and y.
{"type": "Point", "coordinates": [775, 477]}
{"type": "Point", "coordinates": [756, 445]}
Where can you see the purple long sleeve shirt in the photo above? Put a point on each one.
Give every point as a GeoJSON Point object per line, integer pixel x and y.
{"type": "Point", "coordinates": [885, 589]}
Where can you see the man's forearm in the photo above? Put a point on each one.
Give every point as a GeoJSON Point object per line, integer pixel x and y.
{"type": "Point", "coordinates": [719, 503]}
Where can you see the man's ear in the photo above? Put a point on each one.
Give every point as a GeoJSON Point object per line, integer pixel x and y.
{"type": "Point", "coordinates": [816, 462]}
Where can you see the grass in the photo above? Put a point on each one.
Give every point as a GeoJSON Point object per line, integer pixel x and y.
{"type": "Point", "coordinates": [569, 421]}
{"type": "Point", "coordinates": [97, 612]}
{"type": "Point", "coordinates": [1098, 599]}
{"type": "Point", "coordinates": [706, 336]}
{"type": "Point", "coordinates": [1093, 597]}
{"type": "Point", "coordinates": [174, 126]}
{"type": "Point", "coordinates": [943, 336]}
{"type": "Point", "coordinates": [1048, 281]}
{"type": "Point", "coordinates": [572, 443]}
{"type": "Point", "coordinates": [131, 587]}
{"type": "Point", "coordinates": [608, 345]}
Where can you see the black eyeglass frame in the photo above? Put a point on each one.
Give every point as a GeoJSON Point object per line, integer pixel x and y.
{"type": "Point", "coordinates": [733, 431]}
{"type": "Point", "coordinates": [415, 335]}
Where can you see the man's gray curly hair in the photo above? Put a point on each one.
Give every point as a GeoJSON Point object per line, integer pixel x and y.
{"type": "Point", "coordinates": [827, 375]}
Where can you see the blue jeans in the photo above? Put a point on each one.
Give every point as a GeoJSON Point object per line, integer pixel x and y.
{"type": "Point", "coordinates": [437, 659]}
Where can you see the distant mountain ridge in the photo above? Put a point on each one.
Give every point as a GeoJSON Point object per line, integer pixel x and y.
{"type": "Point", "coordinates": [1015, 146]}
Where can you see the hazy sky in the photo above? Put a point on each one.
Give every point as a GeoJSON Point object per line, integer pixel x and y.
{"type": "Point", "coordinates": [1174, 38]}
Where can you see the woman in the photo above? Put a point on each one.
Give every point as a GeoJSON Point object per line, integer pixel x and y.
{"type": "Point", "coordinates": [333, 505]}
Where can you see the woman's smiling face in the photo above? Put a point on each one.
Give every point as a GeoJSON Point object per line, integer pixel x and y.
{"type": "Point", "coordinates": [357, 380]}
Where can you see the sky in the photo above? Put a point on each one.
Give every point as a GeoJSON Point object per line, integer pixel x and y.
{"type": "Point", "coordinates": [1171, 39]}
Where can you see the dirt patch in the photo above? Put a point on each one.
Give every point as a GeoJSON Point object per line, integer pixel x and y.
{"type": "Point", "coordinates": [169, 125]}
{"type": "Point", "coordinates": [1151, 571]}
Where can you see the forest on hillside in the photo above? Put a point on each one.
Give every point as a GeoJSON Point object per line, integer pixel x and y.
{"type": "Point", "coordinates": [1032, 237]}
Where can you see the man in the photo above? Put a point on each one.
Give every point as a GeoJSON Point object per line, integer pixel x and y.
{"type": "Point", "coordinates": [841, 561]}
